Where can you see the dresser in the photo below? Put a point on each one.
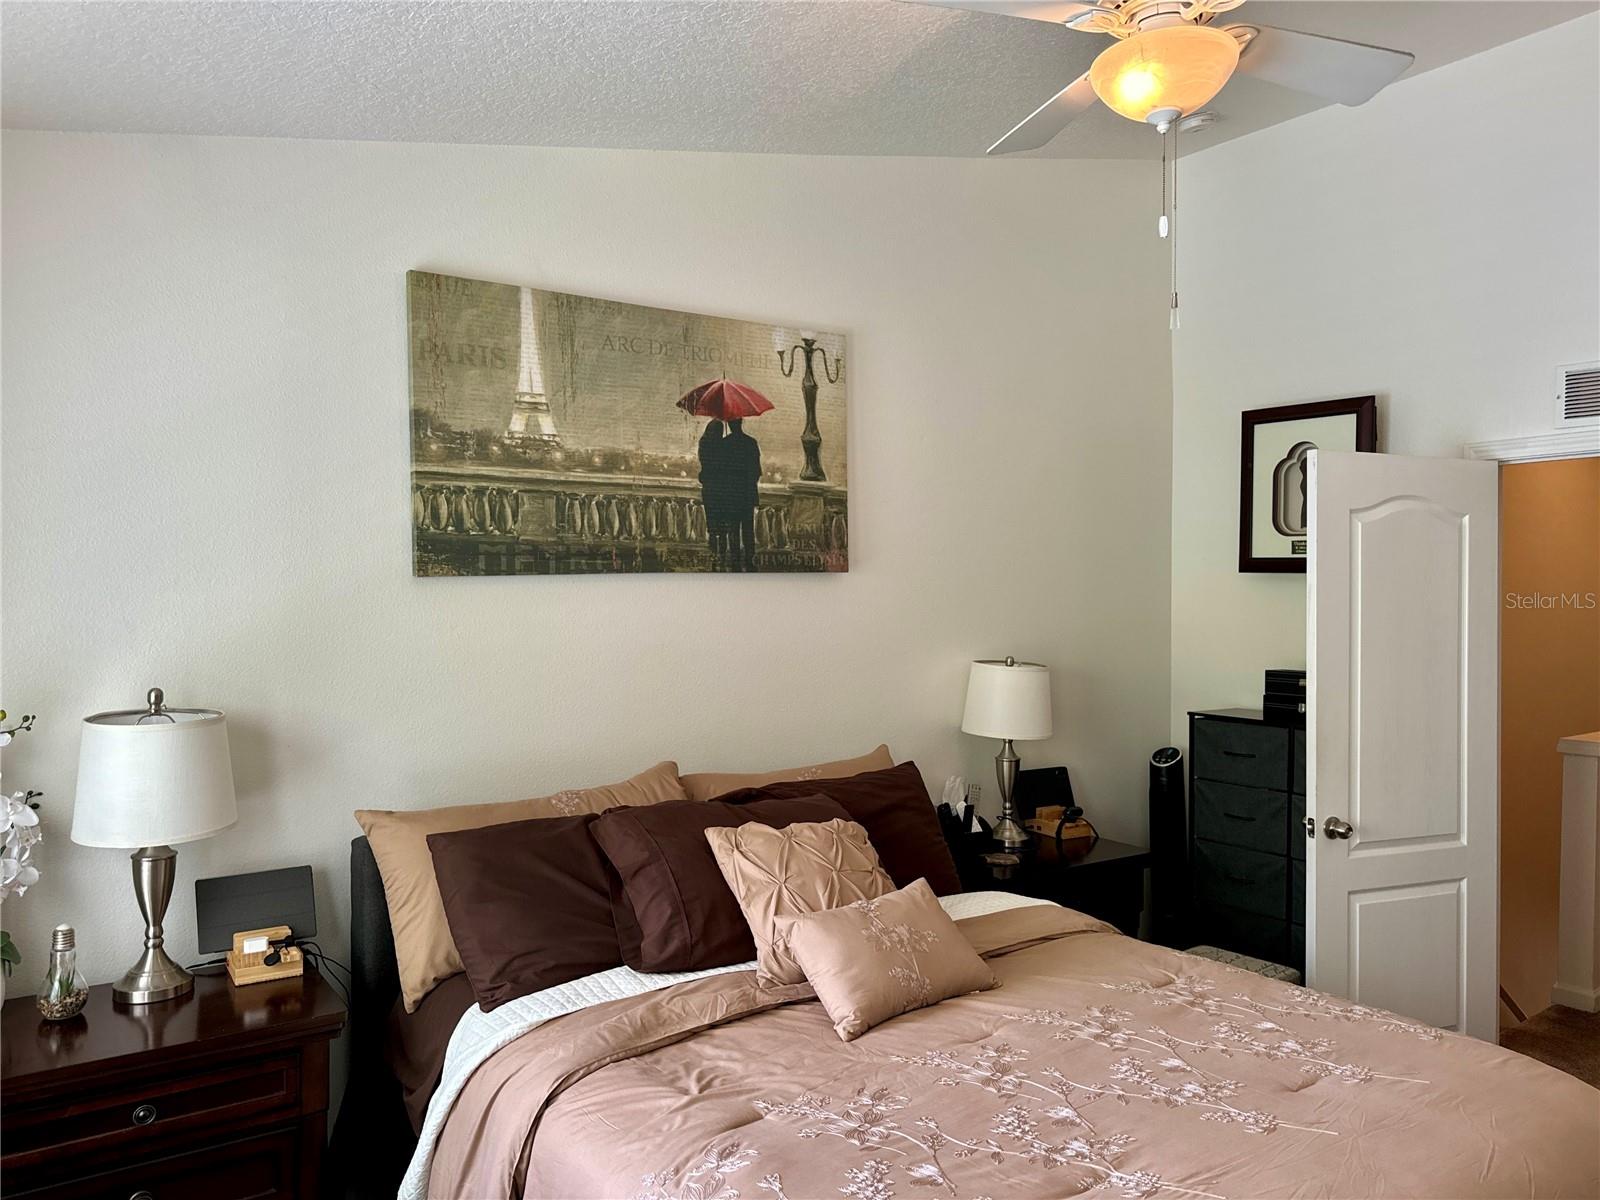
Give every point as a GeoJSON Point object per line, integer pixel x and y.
{"type": "Point", "coordinates": [218, 1095]}
{"type": "Point", "coordinates": [1247, 843]}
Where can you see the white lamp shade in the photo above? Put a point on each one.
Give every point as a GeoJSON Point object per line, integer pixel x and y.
{"type": "Point", "coordinates": [159, 783]}
{"type": "Point", "coordinates": [1008, 701]}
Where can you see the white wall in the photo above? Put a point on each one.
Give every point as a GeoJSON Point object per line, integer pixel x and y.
{"type": "Point", "coordinates": [1436, 247]}
{"type": "Point", "coordinates": [206, 455]}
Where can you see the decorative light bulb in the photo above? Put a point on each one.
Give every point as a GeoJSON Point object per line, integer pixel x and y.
{"type": "Point", "coordinates": [1161, 74]}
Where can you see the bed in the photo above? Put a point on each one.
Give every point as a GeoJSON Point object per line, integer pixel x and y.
{"type": "Point", "coordinates": [1100, 1064]}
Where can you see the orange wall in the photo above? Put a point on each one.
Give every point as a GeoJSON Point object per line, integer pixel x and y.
{"type": "Point", "coordinates": [1550, 687]}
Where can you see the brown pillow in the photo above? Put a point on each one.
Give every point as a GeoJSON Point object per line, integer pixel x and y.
{"type": "Point", "coordinates": [529, 904]}
{"type": "Point", "coordinates": [876, 959]}
{"type": "Point", "coordinates": [801, 869]}
{"type": "Point", "coordinates": [423, 949]}
{"type": "Point", "coordinates": [710, 785]}
{"type": "Point", "coordinates": [674, 911]}
{"type": "Point", "coordinates": [893, 807]}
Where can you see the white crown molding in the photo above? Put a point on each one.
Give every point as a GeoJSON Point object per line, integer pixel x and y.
{"type": "Point", "coordinates": [1536, 447]}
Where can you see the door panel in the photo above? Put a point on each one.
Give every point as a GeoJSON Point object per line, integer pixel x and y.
{"type": "Point", "coordinates": [1405, 657]}
{"type": "Point", "coordinates": [1402, 658]}
{"type": "Point", "coordinates": [1405, 950]}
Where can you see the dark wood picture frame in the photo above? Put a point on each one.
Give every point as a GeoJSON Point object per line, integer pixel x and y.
{"type": "Point", "coordinates": [1365, 411]}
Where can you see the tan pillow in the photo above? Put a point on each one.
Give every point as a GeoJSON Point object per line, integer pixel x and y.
{"type": "Point", "coordinates": [876, 959]}
{"type": "Point", "coordinates": [797, 869]}
{"type": "Point", "coordinates": [423, 948]}
{"type": "Point", "coordinates": [708, 785]}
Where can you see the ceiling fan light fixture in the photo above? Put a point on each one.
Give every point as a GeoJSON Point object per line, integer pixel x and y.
{"type": "Point", "coordinates": [1161, 74]}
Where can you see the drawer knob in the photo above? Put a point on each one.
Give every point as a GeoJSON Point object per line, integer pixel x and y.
{"type": "Point", "coordinates": [141, 1194]}
{"type": "Point", "coordinates": [145, 1114]}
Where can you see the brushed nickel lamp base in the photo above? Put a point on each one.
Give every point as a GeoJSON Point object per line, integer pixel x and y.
{"type": "Point", "coordinates": [155, 976]}
{"type": "Point", "coordinates": [1008, 830]}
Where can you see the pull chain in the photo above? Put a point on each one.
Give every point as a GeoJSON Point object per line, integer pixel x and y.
{"type": "Point", "coordinates": [1174, 322]}
{"type": "Point", "coordinates": [1163, 225]}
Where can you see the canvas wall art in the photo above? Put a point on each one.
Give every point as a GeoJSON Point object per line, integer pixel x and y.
{"type": "Point", "coordinates": [554, 434]}
{"type": "Point", "coordinates": [1272, 479]}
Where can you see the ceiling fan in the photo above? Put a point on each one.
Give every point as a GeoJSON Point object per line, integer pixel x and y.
{"type": "Point", "coordinates": [1168, 60]}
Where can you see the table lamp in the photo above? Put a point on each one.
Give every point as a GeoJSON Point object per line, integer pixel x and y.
{"type": "Point", "coordinates": [153, 778]}
{"type": "Point", "coordinates": [1010, 701]}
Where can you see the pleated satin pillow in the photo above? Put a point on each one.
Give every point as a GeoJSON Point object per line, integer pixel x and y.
{"type": "Point", "coordinates": [807, 868]}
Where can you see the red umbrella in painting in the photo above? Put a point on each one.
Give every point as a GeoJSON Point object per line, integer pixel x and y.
{"type": "Point", "coordinates": [724, 400]}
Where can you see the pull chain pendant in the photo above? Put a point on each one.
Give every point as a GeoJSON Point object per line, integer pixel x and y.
{"type": "Point", "coordinates": [1173, 320]}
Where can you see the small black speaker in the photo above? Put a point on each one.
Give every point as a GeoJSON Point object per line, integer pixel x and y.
{"type": "Point", "coordinates": [1169, 848]}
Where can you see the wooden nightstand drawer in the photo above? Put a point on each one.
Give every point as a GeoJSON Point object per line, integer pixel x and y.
{"type": "Point", "coordinates": [147, 1112]}
{"type": "Point", "coordinates": [258, 1168]}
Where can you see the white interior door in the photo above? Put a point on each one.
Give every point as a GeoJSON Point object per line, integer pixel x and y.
{"type": "Point", "coordinates": [1403, 637]}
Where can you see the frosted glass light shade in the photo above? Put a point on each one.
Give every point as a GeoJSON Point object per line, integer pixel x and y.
{"type": "Point", "coordinates": [1008, 701]}
{"type": "Point", "coordinates": [159, 783]}
{"type": "Point", "coordinates": [1178, 67]}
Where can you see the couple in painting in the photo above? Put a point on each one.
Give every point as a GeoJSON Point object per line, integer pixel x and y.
{"type": "Point", "coordinates": [730, 469]}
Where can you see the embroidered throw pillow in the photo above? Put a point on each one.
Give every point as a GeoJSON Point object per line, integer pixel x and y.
{"type": "Point", "coordinates": [798, 869]}
{"type": "Point", "coordinates": [876, 959]}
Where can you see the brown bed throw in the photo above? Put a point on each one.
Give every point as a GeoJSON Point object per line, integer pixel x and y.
{"type": "Point", "coordinates": [1100, 1065]}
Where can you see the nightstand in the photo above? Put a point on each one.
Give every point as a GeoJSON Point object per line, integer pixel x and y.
{"type": "Point", "coordinates": [1105, 880]}
{"type": "Point", "coordinates": [219, 1095]}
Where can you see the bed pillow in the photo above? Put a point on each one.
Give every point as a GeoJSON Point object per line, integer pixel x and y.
{"type": "Point", "coordinates": [529, 904]}
{"type": "Point", "coordinates": [800, 869]}
{"type": "Point", "coordinates": [423, 949]}
{"type": "Point", "coordinates": [674, 911]}
{"type": "Point", "coordinates": [875, 959]}
{"type": "Point", "coordinates": [893, 807]}
{"type": "Point", "coordinates": [711, 785]}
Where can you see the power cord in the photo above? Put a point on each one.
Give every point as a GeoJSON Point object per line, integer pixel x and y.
{"type": "Point", "coordinates": [329, 968]}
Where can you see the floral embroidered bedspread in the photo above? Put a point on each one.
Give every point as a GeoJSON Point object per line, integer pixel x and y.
{"type": "Point", "coordinates": [1101, 1064]}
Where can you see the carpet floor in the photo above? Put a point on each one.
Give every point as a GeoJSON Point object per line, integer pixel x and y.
{"type": "Point", "coordinates": [1565, 1038]}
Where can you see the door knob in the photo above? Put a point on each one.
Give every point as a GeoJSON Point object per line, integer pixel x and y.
{"type": "Point", "coordinates": [1335, 828]}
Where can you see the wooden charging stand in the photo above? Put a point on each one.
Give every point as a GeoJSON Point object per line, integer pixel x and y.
{"type": "Point", "coordinates": [247, 967]}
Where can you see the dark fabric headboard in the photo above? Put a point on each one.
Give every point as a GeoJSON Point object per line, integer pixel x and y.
{"type": "Point", "coordinates": [372, 1138]}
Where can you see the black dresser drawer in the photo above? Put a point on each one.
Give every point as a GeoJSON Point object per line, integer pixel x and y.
{"type": "Point", "coordinates": [1297, 949]}
{"type": "Point", "coordinates": [1297, 827]}
{"type": "Point", "coordinates": [1246, 933]}
{"type": "Point", "coordinates": [1297, 890]}
{"type": "Point", "coordinates": [1255, 818]}
{"type": "Point", "coordinates": [1243, 879]}
{"type": "Point", "coordinates": [1231, 752]}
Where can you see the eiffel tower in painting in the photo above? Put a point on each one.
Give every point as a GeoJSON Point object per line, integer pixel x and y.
{"type": "Point", "coordinates": [530, 411]}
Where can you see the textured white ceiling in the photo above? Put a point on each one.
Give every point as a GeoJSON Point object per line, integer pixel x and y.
{"type": "Point", "coordinates": [848, 77]}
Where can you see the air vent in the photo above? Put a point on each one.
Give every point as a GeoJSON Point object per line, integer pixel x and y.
{"type": "Point", "coordinates": [1578, 395]}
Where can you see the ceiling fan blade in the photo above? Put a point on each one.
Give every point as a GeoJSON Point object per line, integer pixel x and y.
{"type": "Point", "coordinates": [1054, 11]}
{"type": "Point", "coordinates": [1346, 72]}
{"type": "Point", "coordinates": [1049, 119]}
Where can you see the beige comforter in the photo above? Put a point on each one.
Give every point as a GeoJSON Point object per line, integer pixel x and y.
{"type": "Point", "coordinates": [1099, 1063]}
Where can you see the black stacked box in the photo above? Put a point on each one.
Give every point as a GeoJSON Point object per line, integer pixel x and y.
{"type": "Point", "coordinates": [1284, 699]}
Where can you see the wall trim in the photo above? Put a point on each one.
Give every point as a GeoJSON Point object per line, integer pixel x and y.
{"type": "Point", "coordinates": [1536, 447]}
